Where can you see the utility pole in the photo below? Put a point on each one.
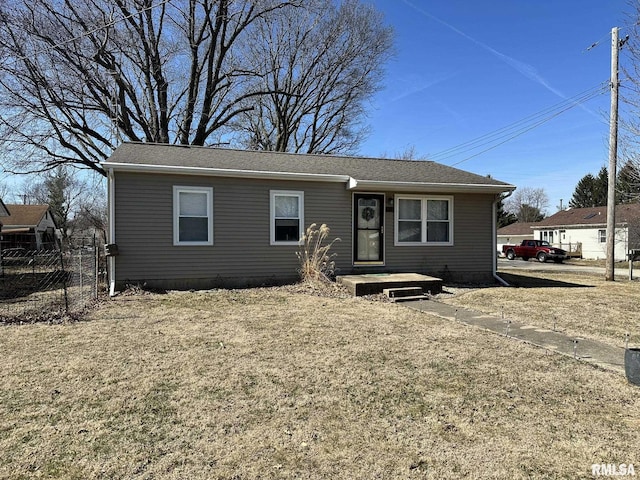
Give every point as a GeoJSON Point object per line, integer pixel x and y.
{"type": "Point", "coordinates": [613, 156]}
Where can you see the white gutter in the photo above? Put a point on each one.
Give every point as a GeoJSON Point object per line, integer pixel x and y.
{"type": "Point", "coordinates": [112, 230]}
{"type": "Point", "coordinates": [225, 172]}
{"type": "Point", "coordinates": [494, 241]}
{"type": "Point", "coordinates": [424, 186]}
{"type": "Point", "coordinates": [578, 225]}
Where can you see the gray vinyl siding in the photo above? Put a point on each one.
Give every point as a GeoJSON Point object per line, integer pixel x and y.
{"type": "Point", "coordinates": [242, 255]}
{"type": "Point", "coordinates": [469, 259]}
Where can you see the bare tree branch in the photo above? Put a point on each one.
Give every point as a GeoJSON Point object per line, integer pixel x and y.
{"type": "Point", "coordinates": [320, 67]}
{"type": "Point", "coordinates": [80, 76]}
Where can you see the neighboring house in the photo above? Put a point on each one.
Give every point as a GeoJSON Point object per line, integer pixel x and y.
{"type": "Point", "coordinates": [588, 228]}
{"type": "Point", "coordinates": [4, 212]}
{"type": "Point", "coordinates": [30, 227]}
{"type": "Point", "coordinates": [197, 217]}
{"type": "Point", "coordinates": [514, 234]}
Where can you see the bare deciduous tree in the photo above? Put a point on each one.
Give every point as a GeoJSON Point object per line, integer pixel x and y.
{"type": "Point", "coordinates": [80, 76]}
{"type": "Point", "coordinates": [4, 192]}
{"type": "Point", "coordinates": [77, 76]}
{"type": "Point", "coordinates": [320, 66]}
{"type": "Point", "coordinates": [528, 204]}
{"type": "Point", "coordinates": [629, 119]}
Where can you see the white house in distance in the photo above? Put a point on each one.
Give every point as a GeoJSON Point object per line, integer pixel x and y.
{"type": "Point", "coordinates": [586, 228]}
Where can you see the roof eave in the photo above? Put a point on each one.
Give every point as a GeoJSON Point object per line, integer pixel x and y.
{"type": "Point", "coordinates": [577, 225]}
{"type": "Point", "coordinates": [223, 172]}
{"type": "Point", "coordinates": [428, 187]}
{"type": "Point", "coordinates": [352, 183]}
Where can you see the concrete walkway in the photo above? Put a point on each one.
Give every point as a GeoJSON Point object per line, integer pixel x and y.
{"type": "Point", "coordinates": [605, 356]}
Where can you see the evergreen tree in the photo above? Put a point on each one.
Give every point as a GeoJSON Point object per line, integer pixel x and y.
{"type": "Point", "coordinates": [504, 218]}
{"type": "Point", "coordinates": [591, 191]}
{"type": "Point", "coordinates": [583, 194]}
{"type": "Point", "coordinates": [601, 188]}
{"type": "Point", "coordinates": [628, 184]}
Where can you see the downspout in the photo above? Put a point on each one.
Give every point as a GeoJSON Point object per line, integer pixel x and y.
{"type": "Point", "coordinates": [112, 230]}
{"type": "Point", "coordinates": [494, 224]}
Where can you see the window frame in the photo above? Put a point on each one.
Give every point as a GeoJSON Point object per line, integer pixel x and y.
{"type": "Point", "coordinates": [272, 215]}
{"type": "Point", "coordinates": [177, 190]}
{"type": "Point", "coordinates": [424, 200]}
{"type": "Point", "coordinates": [602, 235]}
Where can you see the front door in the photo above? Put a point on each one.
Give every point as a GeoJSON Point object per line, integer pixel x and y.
{"type": "Point", "coordinates": [368, 228]}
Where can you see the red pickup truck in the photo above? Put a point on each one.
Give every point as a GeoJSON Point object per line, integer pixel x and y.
{"type": "Point", "coordinates": [538, 249]}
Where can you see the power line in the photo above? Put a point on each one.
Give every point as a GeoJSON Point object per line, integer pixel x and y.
{"type": "Point", "coordinates": [471, 144]}
{"type": "Point", "coordinates": [531, 127]}
{"type": "Point", "coordinates": [515, 129]}
{"type": "Point", "coordinates": [525, 130]}
{"type": "Point", "coordinates": [596, 43]}
{"type": "Point", "coordinates": [608, 35]}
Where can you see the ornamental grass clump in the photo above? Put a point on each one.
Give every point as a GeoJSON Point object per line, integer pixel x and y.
{"type": "Point", "coordinates": [316, 264]}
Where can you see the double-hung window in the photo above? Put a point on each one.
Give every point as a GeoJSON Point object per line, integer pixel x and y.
{"type": "Point", "coordinates": [424, 220]}
{"type": "Point", "coordinates": [602, 236]}
{"type": "Point", "coordinates": [192, 215]}
{"type": "Point", "coordinates": [287, 217]}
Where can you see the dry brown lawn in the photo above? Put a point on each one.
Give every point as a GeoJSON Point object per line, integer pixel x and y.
{"type": "Point", "coordinates": [579, 305]}
{"type": "Point", "coordinates": [279, 383]}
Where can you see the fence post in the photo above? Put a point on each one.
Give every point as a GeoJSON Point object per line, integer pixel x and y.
{"type": "Point", "coordinates": [34, 280]}
{"type": "Point", "coordinates": [64, 284]}
{"type": "Point", "coordinates": [81, 279]}
{"type": "Point", "coordinates": [96, 267]}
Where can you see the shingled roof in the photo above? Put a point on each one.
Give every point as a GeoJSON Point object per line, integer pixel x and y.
{"type": "Point", "coordinates": [517, 228]}
{"type": "Point", "coordinates": [4, 211]}
{"type": "Point", "coordinates": [592, 216]}
{"type": "Point", "coordinates": [24, 216]}
{"type": "Point", "coordinates": [358, 171]}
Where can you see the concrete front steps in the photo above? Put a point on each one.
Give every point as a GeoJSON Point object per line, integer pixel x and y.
{"type": "Point", "coordinates": [405, 294]}
{"type": "Point", "coordinates": [374, 283]}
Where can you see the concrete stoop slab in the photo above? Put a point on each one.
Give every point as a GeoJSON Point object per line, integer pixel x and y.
{"type": "Point", "coordinates": [373, 283]}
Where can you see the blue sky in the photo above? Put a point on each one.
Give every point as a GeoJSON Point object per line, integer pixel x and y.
{"type": "Point", "coordinates": [466, 68]}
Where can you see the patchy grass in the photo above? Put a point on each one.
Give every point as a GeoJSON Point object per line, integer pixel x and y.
{"type": "Point", "coordinates": [278, 383]}
{"type": "Point", "coordinates": [581, 305]}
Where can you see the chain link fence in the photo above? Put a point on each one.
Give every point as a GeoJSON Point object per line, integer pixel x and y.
{"type": "Point", "coordinates": [50, 285]}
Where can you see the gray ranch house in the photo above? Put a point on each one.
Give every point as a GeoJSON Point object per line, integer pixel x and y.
{"type": "Point", "coordinates": [195, 217]}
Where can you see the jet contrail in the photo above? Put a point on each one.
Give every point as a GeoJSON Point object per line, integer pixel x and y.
{"type": "Point", "coordinates": [528, 71]}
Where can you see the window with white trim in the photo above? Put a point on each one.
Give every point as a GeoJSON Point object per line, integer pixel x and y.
{"type": "Point", "coordinates": [192, 215]}
{"type": "Point", "coordinates": [602, 236]}
{"type": "Point", "coordinates": [287, 217]}
{"type": "Point", "coordinates": [424, 220]}
{"type": "Point", "coordinates": [547, 236]}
